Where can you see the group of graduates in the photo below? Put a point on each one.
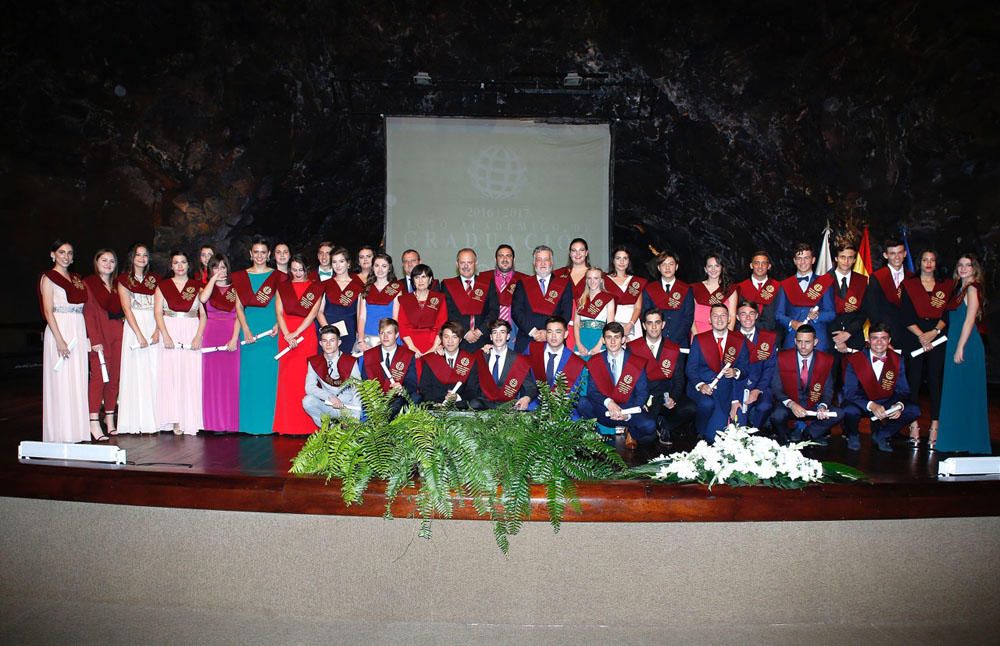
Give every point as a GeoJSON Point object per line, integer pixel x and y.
{"type": "Point", "coordinates": [646, 356]}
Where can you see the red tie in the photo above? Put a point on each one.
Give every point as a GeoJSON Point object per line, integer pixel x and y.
{"type": "Point", "coordinates": [874, 359]}
{"type": "Point", "coordinates": [804, 375]}
{"type": "Point", "coordinates": [468, 286]}
{"type": "Point", "coordinates": [718, 342]}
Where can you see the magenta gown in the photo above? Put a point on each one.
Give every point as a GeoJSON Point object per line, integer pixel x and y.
{"type": "Point", "coordinates": [220, 373]}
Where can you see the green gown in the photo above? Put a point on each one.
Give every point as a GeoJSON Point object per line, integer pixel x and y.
{"type": "Point", "coordinates": [258, 369]}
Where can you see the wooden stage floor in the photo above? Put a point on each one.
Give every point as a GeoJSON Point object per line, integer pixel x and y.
{"type": "Point", "coordinates": [250, 473]}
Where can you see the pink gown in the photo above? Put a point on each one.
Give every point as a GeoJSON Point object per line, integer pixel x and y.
{"type": "Point", "coordinates": [178, 400]}
{"type": "Point", "coordinates": [64, 393]}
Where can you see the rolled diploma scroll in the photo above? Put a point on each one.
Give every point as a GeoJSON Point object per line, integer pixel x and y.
{"type": "Point", "coordinates": [685, 350]}
{"type": "Point", "coordinates": [287, 350]}
{"type": "Point", "coordinates": [59, 363]}
{"type": "Point", "coordinates": [813, 413]}
{"type": "Point", "coordinates": [258, 336]}
{"type": "Point", "coordinates": [104, 367]}
{"type": "Point", "coordinates": [218, 348]}
{"type": "Point", "coordinates": [812, 310]}
{"type": "Point", "coordinates": [715, 382]}
{"type": "Point", "coordinates": [635, 410]}
{"type": "Point", "coordinates": [454, 389]}
{"type": "Point", "coordinates": [889, 411]}
{"type": "Point", "coordinates": [938, 341]}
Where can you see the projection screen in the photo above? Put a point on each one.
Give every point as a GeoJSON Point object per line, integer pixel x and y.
{"type": "Point", "coordinates": [453, 183]}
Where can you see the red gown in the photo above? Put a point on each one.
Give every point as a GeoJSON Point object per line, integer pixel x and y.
{"type": "Point", "coordinates": [103, 314]}
{"type": "Point", "coordinates": [289, 416]}
{"type": "Point", "coordinates": [421, 321]}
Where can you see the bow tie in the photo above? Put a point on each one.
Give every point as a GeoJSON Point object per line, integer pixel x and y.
{"type": "Point", "coordinates": [804, 278]}
{"type": "Point", "coordinates": [878, 359]}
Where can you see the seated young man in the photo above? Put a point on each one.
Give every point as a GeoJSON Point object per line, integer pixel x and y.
{"type": "Point", "coordinates": [617, 389]}
{"type": "Point", "coordinates": [875, 382]}
{"type": "Point", "coordinates": [552, 357]}
{"type": "Point", "coordinates": [450, 376]}
{"type": "Point", "coordinates": [326, 373]}
{"type": "Point", "coordinates": [803, 387]}
{"type": "Point", "coordinates": [716, 374]}
{"type": "Point", "coordinates": [392, 365]}
{"type": "Point", "coordinates": [762, 352]}
{"type": "Point", "coordinates": [503, 376]}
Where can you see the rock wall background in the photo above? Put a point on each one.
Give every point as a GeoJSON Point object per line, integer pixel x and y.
{"type": "Point", "coordinates": [733, 128]}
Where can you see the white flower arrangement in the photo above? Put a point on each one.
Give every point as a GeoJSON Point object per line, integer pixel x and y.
{"type": "Point", "coordinates": [739, 458]}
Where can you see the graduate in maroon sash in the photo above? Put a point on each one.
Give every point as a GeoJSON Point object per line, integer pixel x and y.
{"type": "Point", "coordinates": [617, 390]}
{"type": "Point", "coordinates": [594, 308]}
{"type": "Point", "coordinates": [471, 300]}
{"type": "Point", "coordinates": [505, 280]}
{"type": "Point", "coordinates": [805, 297]}
{"type": "Point", "coordinates": [449, 376]}
{"type": "Point", "coordinates": [884, 298]}
{"type": "Point", "coordinates": [715, 289]}
{"type": "Point", "coordinates": [761, 290]}
{"type": "Point", "coordinates": [503, 376]}
{"type": "Point", "coordinates": [392, 365]}
{"type": "Point", "coordinates": [849, 287]}
{"type": "Point", "coordinates": [669, 407]}
{"type": "Point", "coordinates": [716, 374]}
{"type": "Point", "coordinates": [673, 297]}
{"type": "Point", "coordinates": [340, 302]}
{"type": "Point", "coordinates": [925, 306]}
{"type": "Point", "coordinates": [577, 263]}
{"type": "Point", "coordinates": [140, 346]}
{"type": "Point", "coordinates": [422, 313]}
{"type": "Point", "coordinates": [537, 298]}
{"type": "Point", "coordinates": [874, 383]}
{"type": "Point", "coordinates": [380, 300]}
{"type": "Point", "coordinates": [327, 391]}
{"type": "Point", "coordinates": [762, 351]}
{"type": "Point", "coordinates": [552, 357]}
{"type": "Point", "coordinates": [103, 315]}
{"type": "Point", "coordinates": [626, 288]}
{"type": "Point", "coordinates": [803, 384]}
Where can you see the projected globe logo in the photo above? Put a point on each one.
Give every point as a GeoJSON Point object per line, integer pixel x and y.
{"type": "Point", "coordinates": [498, 173]}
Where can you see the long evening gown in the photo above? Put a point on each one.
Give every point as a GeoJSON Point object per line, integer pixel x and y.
{"type": "Point", "coordinates": [964, 425]}
{"type": "Point", "coordinates": [220, 373]}
{"type": "Point", "coordinates": [591, 330]}
{"type": "Point", "coordinates": [289, 416]}
{"type": "Point", "coordinates": [64, 393]}
{"type": "Point", "coordinates": [258, 369]}
{"type": "Point", "coordinates": [140, 369]}
{"type": "Point", "coordinates": [178, 399]}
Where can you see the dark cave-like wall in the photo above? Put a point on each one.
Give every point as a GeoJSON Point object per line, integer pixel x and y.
{"type": "Point", "coordinates": [733, 129]}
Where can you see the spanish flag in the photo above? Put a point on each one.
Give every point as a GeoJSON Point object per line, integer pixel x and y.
{"type": "Point", "coordinates": [863, 264]}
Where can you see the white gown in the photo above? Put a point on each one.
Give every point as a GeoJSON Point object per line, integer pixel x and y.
{"type": "Point", "coordinates": [65, 416]}
{"type": "Point", "coordinates": [137, 398]}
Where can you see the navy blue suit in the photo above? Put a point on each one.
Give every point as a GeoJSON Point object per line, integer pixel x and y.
{"type": "Point", "coordinates": [811, 427]}
{"type": "Point", "coordinates": [785, 313]}
{"type": "Point", "coordinates": [676, 323]}
{"type": "Point", "coordinates": [641, 426]}
{"type": "Point", "coordinates": [856, 405]}
{"type": "Point", "coordinates": [527, 319]}
{"type": "Point", "coordinates": [713, 410]}
{"type": "Point", "coordinates": [760, 376]}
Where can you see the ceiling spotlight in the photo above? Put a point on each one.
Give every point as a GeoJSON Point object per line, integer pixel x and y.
{"type": "Point", "coordinates": [572, 80]}
{"type": "Point", "coordinates": [422, 78]}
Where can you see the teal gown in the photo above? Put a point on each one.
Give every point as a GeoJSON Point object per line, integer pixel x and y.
{"type": "Point", "coordinates": [964, 425]}
{"type": "Point", "coordinates": [258, 369]}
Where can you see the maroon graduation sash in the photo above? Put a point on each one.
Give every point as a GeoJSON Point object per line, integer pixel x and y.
{"type": "Point", "coordinates": [422, 317]}
{"type": "Point", "coordinates": [147, 286]}
{"type": "Point", "coordinates": [627, 295]}
{"type": "Point", "coordinates": [929, 305]}
{"type": "Point", "coordinates": [884, 387]}
{"type": "Point", "coordinates": [573, 368]}
{"type": "Point", "coordinates": [813, 294]}
{"type": "Point", "coordinates": [179, 300]}
{"type": "Point", "coordinates": [764, 347]}
{"type": "Point", "coordinates": [398, 365]}
{"type": "Point", "coordinates": [855, 293]}
{"type": "Point", "coordinates": [468, 304]}
{"type": "Point", "coordinates": [343, 297]}
{"type": "Point", "coordinates": [464, 365]}
{"type": "Point", "coordinates": [657, 369]}
{"type": "Point", "coordinates": [506, 296]}
{"type": "Point", "coordinates": [892, 293]}
{"type": "Point", "coordinates": [663, 300]}
{"type": "Point", "coordinates": [260, 298]}
{"type": "Point", "coordinates": [296, 305]}
{"type": "Point", "coordinates": [376, 296]}
{"type": "Point", "coordinates": [106, 300]}
{"type": "Point", "coordinates": [507, 390]}
{"type": "Point", "coordinates": [75, 288]}
{"type": "Point", "coordinates": [544, 304]}
{"type": "Point", "coordinates": [731, 350]}
{"type": "Point", "coordinates": [703, 297]}
{"type": "Point", "coordinates": [567, 273]}
{"type": "Point", "coordinates": [621, 391]}
{"type": "Point", "coordinates": [958, 295]}
{"type": "Point", "coordinates": [594, 306]}
{"type": "Point", "coordinates": [223, 298]}
{"type": "Point", "coordinates": [766, 295]}
{"type": "Point", "coordinates": [788, 370]}
{"type": "Point", "coordinates": [345, 364]}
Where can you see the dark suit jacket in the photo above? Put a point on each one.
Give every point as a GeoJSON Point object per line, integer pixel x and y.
{"type": "Point", "coordinates": [486, 315]}
{"type": "Point", "coordinates": [432, 390]}
{"type": "Point", "coordinates": [880, 310]}
{"type": "Point", "coordinates": [638, 397]}
{"type": "Point", "coordinates": [802, 397]}
{"type": "Point", "coordinates": [528, 388]}
{"type": "Point", "coordinates": [760, 374]}
{"type": "Point", "coordinates": [526, 318]}
{"type": "Point", "coordinates": [854, 393]}
{"type": "Point", "coordinates": [728, 390]}
{"type": "Point", "coordinates": [851, 322]}
{"type": "Point", "coordinates": [676, 323]}
{"type": "Point", "coordinates": [785, 312]}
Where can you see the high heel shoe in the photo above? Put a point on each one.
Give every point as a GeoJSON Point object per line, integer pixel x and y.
{"type": "Point", "coordinates": [109, 422]}
{"type": "Point", "coordinates": [101, 437]}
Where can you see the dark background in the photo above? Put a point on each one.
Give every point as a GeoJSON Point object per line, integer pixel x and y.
{"type": "Point", "coordinates": [733, 128]}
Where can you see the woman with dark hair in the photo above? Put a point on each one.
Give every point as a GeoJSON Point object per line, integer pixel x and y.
{"type": "Point", "coordinates": [626, 288]}
{"type": "Point", "coordinates": [714, 290]}
{"type": "Point", "coordinates": [64, 354]}
{"type": "Point", "coordinates": [180, 318]}
{"type": "Point", "coordinates": [205, 253]}
{"type": "Point", "coordinates": [366, 255]}
{"type": "Point", "coordinates": [298, 302]}
{"type": "Point", "coordinates": [577, 264]}
{"type": "Point", "coordinates": [282, 256]}
{"type": "Point", "coordinates": [380, 300]}
{"type": "Point", "coordinates": [964, 423]}
{"type": "Point", "coordinates": [422, 313]}
{"type": "Point", "coordinates": [220, 367]}
{"type": "Point", "coordinates": [140, 346]}
{"type": "Point", "coordinates": [924, 304]}
{"type": "Point", "coordinates": [340, 300]}
{"type": "Point", "coordinates": [257, 286]}
{"type": "Point", "coordinates": [103, 314]}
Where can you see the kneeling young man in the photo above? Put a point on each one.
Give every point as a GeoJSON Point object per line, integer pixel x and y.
{"type": "Point", "coordinates": [803, 387]}
{"type": "Point", "coordinates": [326, 375]}
{"type": "Point", "coordinates": [503, 376]}
{"type": "Point", "coordinates": [392, 365]}
{"type": "Point", "coordinates": [552, 357]}
{"type": "Point", "coordinates": [448, 377]}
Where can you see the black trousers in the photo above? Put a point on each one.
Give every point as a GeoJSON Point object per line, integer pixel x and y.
{"type": "Point", "coordinates": [926, 368]}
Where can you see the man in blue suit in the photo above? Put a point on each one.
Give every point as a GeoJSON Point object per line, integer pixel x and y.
{"type": "Point", "coordinates": [552, 357]}
{"type": "Point", "coordinates": [537, 298]}
{"type": "Point", "coordinates": [875, 384]}
{"type": "Point", "coordinates": [763, 356]}
{"type": "Point", "coordinates": [803, 390]}
{"type": "Point", "coordinates": [617, 389]}
{"type": "Point", "coordinates": [673, 297]}
{"type": "Point", "coordinates": [805, 298]}
{"type": "Point", "coordinates": [723, 354]}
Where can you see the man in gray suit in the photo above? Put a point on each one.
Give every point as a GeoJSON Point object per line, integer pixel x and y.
{"type": "Point", "coordinates": [326, 393]}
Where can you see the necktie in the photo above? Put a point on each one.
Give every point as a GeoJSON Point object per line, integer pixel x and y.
{"type": "Point", "coordinates": [897, 278]}
{"type": "Point", "coordinates": [501, 282]}
{"type": "Point", "coordinates": [468, 286]}
{"type": "Point", "coordinates": [550, 369]}
{"type": "Point", "coordinates": [614, 369]}
{"type": "Point", "coordinates": [451, 363]}
{"type": "Point", "coordinates": [718, 342]}
{"type": "Point", "coordinates": [331, 369]}
{"type": "Point", "coordinates": [804, 373]}
{"type": "Point", "coordinates": [541, 285]}
{"type": "Point", "coordinates": [843, 287]}
{"type": "Point", "coordinates": [387, 360]}
{"type": "Point", "coordinates": [758, 286]}
{"type": "Point", "coordinates": [496, 368]}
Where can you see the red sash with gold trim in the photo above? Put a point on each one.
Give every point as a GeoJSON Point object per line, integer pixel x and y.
{"type": "Point", "coordinates": [664, 301]}
{"type": "Point", "coordinates": [397, 365]}
{"type": "Point", "coordinates": [929, 305]}
{"type": "Point", "coordinates": [573, 368]}
{"type": "Point", "coordinates": [147, 286]}
{"type": "Point", "coordinates": [594, 306]}
{"type": "Point", "coordinates": [703, 297]}
{"type": "Point", "coordinates": [250, 298]}
{"type": "Point", "coordinates": [376, 296]}
{"type": "Point", "coordinates": [768, 291]}
{"type": "Point", "coordinates": [627, 295]}
{"type": "Point", "coordinates": [544, 304]}
{"type": "Point", "coordinates": [788, 370]}
{"type": "Point", "coordinates": [75, 288]}
{"type": "Point", "coordinates": [422, 316]}
{"type": "Point", "coordinates": [813, 294]}
{"type": "Point", "coordinates": [107, 301]}
{"type": "Point", "coordinates": [464, 365]}
{"type": "Point", "coordinates": [709, 349]}
{"type": "Point", "coordinates": [296, 305]}
{"type": "Point", "coordinates": [179, 300]}
{"type": "Point", "coordinates": [892, 293]}
{"type": "Point", "coordinates": [506, 296]}
{"type": "Point", "coordinates": [764, 347]}
{"type": "Point", "coordinates": [345, 364]}
{"type": "Point", "coordinates": [601, 377]}
{"type": "Point", "coordinates": [346, 296]}
{"type": "Point", "coordinates": [223, 298]}
{"type": "Point", "coordinates": [468, 304]}
{"type": "Point", "coordinates": [855, 293]}
{"type": "Point", "coordinates": [657, 368]}
{"type": "Point", "coordinates": [508, 390]}
{"type": "Point", "coordinates": [884, 387]}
